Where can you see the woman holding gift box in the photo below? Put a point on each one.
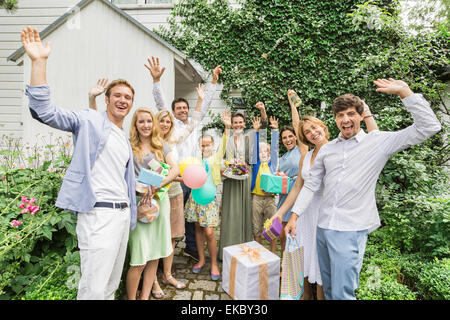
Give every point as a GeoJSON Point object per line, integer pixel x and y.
{"type": "Point", "coordinates": [149, 242]}
{"type": "Point", "coordinates": [314, 133]}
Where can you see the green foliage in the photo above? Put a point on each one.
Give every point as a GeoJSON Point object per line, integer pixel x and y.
{"type": "Point", "coordinates": [31, 242]}
{"type": "Point", "coordinates": [53, 280]}
{"type": "Point", "coordinates": [9, 5]}
{"type": "Point", "coordinates": [419, 224]}
{"type": "Point", "coordinates": [381, 277]}
{"type": "Point", "coordinates": [322, 49]}
{"type": "Point", "coordinates": [388, 274]}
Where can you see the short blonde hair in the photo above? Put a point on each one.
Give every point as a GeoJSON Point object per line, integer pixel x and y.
{"type": "Point", "coordinates": [262, 144]}
{"type": "Point", "coordinates": [315, 121]}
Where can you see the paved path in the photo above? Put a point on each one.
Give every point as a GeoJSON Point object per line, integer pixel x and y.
{"type": "Point", "coordinates": [198, 286]}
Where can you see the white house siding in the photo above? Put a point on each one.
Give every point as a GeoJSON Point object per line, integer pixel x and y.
{"type": "Point", "coordinates": [105, 45]}
{"type": "Point", "coordinates": [153, 16]}
{"type": "Point", "coordinates": [36, 13]}
{"type": "Point", "coordinates": [40, 14]}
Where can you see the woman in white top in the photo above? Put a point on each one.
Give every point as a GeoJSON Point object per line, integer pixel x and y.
{"type": "Point", "coordinates": [314, 133]}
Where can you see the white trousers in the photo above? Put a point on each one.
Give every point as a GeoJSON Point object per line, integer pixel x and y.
{"type": "Point", "coordinates": [102, 238]}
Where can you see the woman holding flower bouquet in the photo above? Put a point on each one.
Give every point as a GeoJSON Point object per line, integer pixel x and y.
{"type": "Point", "coordinates": [149, 241]}
{"type": "Point", "coordinates": [236, 221]}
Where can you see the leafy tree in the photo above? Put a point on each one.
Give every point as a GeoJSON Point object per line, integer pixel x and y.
{"type": "Point", "coordinates": [323, 49]}
{"type": "Point", "coordinates": [9, 5]}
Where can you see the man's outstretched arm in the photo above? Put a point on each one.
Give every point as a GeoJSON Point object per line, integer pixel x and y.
{"type": "Point", "coordinates": [156, 71]}
{"type": "Point", "coordinates": [425, 123]}
{"type": "Point", "coordinates": [38, 54]}
{"type": "Point", "coordinates": [38, 91]}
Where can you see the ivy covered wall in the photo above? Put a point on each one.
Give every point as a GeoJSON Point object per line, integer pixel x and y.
{"type": "Point", "coordinates": [322, 49]}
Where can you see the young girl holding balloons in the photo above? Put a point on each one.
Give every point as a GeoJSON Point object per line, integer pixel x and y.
{"type": "Point", "coordinates": [202, 207]}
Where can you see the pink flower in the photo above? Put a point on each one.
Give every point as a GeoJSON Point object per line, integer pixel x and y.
{"type": "Point", "coordinates": [33, 200]}
{"type": "Point", "coordinates": [16, 223]}
{"type": "Point", "coordinates": [35, 210]}
{"type": "Point", "coordinates": [24, 199]}
{"type": "Point", "coordinates": [29, 207]}
{"type": "Point", "coordinates": [22, 205]}
{"type": "Point", "coordinates": [24, 211]}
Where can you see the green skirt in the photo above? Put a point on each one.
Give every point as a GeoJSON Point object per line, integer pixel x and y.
{"type": "Point", "coordinates": [236, 215]}
{"type": "Point", "coordinates": [151, 241]}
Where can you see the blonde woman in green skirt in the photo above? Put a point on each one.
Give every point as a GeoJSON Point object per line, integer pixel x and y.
{"type": "Point", "coordinates": [151, 241]}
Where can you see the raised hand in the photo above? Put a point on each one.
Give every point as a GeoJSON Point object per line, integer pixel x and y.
{"type": "Point", "coordinates": [291, 92]}
{"type": "Point", "coordinates": [392, 86]}
{"type": "Point", "coordinates": [99, 88]}
{"type": "Point", "coordinates": [273, 122]}
{"type": "Point", "coordinates": [216, 72]}
{"type": "Point", "coordinates": [226, 118]}
{"type": "Point", "coordinates": [200, 91]}
{"type": "Point", "coordinates": [33, 46]}
{"type": "Point", "coordinates": [256, 121]}
{"type": "Point", "coordinates": [155, 69]}
{"type": "Point", "coordinates": [260, 106]}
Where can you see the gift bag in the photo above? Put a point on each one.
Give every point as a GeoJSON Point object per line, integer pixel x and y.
{"type": "Point", "coordinates": [292, 270]}
{"type": "Point", "coordinates": [147, 208]}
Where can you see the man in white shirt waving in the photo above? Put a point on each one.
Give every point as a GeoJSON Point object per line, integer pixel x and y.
{"type": "Point", "coordinates": [348, 168]}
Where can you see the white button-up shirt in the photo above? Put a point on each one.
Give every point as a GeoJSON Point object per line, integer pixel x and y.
{"type": "Point", "coordinates": [349, 170]}
{"type": "Point", "coordinates": [187, 135]}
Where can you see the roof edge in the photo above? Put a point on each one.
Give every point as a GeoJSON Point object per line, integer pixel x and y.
{"type": "Point", "coordinates": [80, 5]}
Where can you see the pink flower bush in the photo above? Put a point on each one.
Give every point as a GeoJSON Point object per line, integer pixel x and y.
{"type": "Point", "coordinates": [28, 207]}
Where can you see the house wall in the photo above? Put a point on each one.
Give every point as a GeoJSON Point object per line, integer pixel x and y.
{"type": "Point", "coordinates": [40, 14]}
{"type": "Point", "coordinates": [36, 13]}
{"type": "Point", "coordinates": [71, 73]}
{"type": "Point", "coordinates": [153, 16]}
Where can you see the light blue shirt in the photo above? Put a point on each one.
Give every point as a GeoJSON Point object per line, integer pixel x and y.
{"type": "Point", "coordinates": [289, 162]}
{"type": "Point", "coordinates": [91, 130]}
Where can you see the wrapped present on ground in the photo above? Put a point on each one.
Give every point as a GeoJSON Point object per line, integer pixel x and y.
{"type": "Point", "coordinates": [250, 272]}
{"type": "Point", "coordinates": [276, 183]}
{"type": "Point", "coordinates": [272, 229]}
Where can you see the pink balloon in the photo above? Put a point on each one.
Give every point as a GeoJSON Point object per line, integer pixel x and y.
{"type": "Point", "coordinates": [195, 176]}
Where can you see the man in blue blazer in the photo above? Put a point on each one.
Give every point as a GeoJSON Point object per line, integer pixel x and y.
{"type": "Point", "coordinates": [99, 185]}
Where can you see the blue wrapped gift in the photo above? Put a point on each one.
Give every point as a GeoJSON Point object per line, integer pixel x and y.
{"type": "Point", "coordinates": [150, 178]}
{"type": "Point", "coordinates": [276, 183]}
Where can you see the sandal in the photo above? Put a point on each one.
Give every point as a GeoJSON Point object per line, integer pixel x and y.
{"type": "Point", "coordinates": [178, 285]}
{"type": "Point", "coordinates": [159, 294]}
{"type": "Point", "coordinates": [197, 270]}
{"type": "Point", "coordinates": [215, 277]}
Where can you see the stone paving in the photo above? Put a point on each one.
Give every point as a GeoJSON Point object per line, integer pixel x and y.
{"type": "Point", "coordinates": [198, 286]}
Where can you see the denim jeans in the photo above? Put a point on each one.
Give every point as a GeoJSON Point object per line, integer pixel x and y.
{"type": "Point", "coordinates": [191, 244]}
{"type": "Point", "coordinates": [340, 259]}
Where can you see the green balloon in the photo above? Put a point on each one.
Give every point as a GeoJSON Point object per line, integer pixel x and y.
{"type": "Point", "coordinates": [205, 194]}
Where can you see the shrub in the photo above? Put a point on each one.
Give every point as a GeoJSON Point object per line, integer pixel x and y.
{"type": "Point", "coordinates": [381, 277]}
{"type": "Point", "coordinates": [32, 229]}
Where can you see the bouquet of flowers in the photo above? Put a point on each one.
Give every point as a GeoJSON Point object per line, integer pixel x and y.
{"type": "Point", "coordinates": [236, 169]}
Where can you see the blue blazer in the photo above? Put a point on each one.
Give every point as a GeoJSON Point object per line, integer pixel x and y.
{"type": "Point", "coordinates": [91, 130]}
